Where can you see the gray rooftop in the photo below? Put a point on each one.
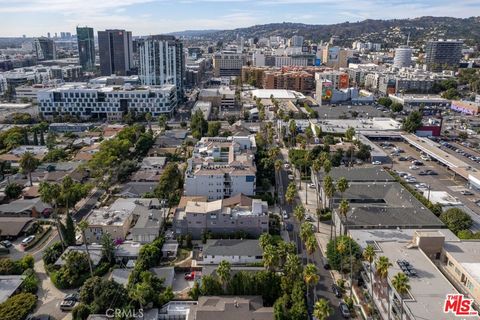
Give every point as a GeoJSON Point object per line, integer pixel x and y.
{"type": "Point", "coordinates": [230, 308]}
{"type": "Point", "coordinates": [429, 288]}
{"type": "Point", "coordinates": [385, 205]}
{"type": "Point", "coordinates": [357, 174]}
{"type": "Point", "coordinates": [8, 285]}
{"type": "Point", "coordinates": [121, 276]}
{"type": "Point", "coordinates": [229, 247]}
{"type": "Point", "coordinates": [167, 273]}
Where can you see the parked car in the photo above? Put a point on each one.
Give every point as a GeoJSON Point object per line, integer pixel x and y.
{"type": "Point", "coordinates": [466, 193]}
{"type": "Point", "coordinates": [423, 173]}
{"type": "Point", "coordinates": [425, 158]}
{"type": "Point", "coordinates": [413, 167]}
{"type": "Point", "coordinates": [289, 227]}
{"type": "Point", "coordinates": [376, 163]}
{"type": "Point", "coordinates": [309, 219]}
{"type": "Point", "coordinates": [344, 310]}
{"type": "Point", "coordinates": [417, 163]}
{"type": "Point", "coordinates": [190, 276]}
{"type": "Point", "coordinates": [285, 214]}
{"type": "Point", "coordinates": [311, 185]}
{"type": "Point", "coordinates": [337, 291]}
{"type": "Point", "coordinates": [6, 243]}
{"type": "Point", "coordinates": [72, 296]}
{"type": "Point", "coordinates": [27, 240]}
{"type": "Point", "coordinates": [67, 305]}
{"type": "Point", "coordinates": [402, 158]}
{"type": "Point", "coordinates": [325, 263]}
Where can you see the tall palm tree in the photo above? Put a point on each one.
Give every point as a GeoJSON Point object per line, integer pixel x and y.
{"type": "Point", "coordinates": [306, 230]}
{"type": "Point", "coordinates": [329, 191]}
{"type": "Point", "coordinates": [299, 213]}
{"type": "Point", "coordinates": [343, 209]}
{"type": "Point", "coordinates": [291, 193]}
{"type": "Point", "coordinates": [223, 271]}
{"type": "Point", "coordinates": [322, 309]}
{"type": "Point", "coordinates": [270, 257]}
{"type": "Point", "coordinates": [148, 117]}
{"type": "Point", "coordinates": [83, 225]}
{"type": "Point", "coordinates": [369, 255]}
{"type": "Point", "coordinates": [327, 166]}
{"type": "Point", "coordinates": [28, 163]}
{"type": "Point", "coordinates": [316, 167]}
{"type": "Point", "coordinates": [310, 275]}
{"type": "Point", "coordinates": [311, 245]}
{"type": "Point", "coordinates": [341, 248]}
{"type": "Point", "coordinates": [381, 267]}
{"type": "Point", "coordinates": [342, 185]}
{"type": "Point", "coordinates": [50, 193]}
{"type": "Point", "coordinates": [400, 283]}
{"type": "Point", "coordinates": [265, 239]}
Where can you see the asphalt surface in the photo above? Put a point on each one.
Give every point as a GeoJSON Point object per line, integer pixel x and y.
{"type": "Point", "coordinates": [88, 205]}
{"type": "Point", "coordinates": [323, 288]}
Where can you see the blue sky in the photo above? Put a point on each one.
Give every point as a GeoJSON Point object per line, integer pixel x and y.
{"type": "Point", "coordinates": [143, 17]}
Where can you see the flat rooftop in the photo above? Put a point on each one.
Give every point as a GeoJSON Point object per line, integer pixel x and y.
{"type": "Point", "coordinates": [360, 125]}
{"type": "Point", "coordinates": [359, 174]}
{"type": "Point", "coordinates": [429, 288]}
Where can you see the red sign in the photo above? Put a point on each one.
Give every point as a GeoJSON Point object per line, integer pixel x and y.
{"type": "Point", "coordinates": [459, 306]}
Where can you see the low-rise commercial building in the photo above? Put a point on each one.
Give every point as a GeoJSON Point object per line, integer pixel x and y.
{"type": "Point", "coordinates": [466, 107]}
{"type": "Point", "coordinates": [235, 251]}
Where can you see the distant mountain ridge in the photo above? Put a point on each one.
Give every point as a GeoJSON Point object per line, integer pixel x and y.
{"type": "Point", "coordinates": [368, 30]}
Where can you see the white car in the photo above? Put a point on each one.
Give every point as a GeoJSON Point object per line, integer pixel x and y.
{"type": "Point", "coordinates": [286, 166]}
{"type": "Point", "coordinates": [27, 240]}
{"type": "Point", "coordinates": [376, 163]}
{"type": "Point", "coordinates": [291, 177]}
{"type": "Point", "coordinates": [413, 168]}
{"type": "Point", "coordinates": [425, 158]}
{"type": "Point", "coordinates": [312, 185]}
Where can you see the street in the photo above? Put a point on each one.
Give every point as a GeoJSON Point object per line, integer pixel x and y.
{"type": "Point", "coordinates": [323, 288]}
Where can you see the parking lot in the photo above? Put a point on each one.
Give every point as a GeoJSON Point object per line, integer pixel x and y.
{"type": "Point", "coordinates": [442, 181]}
{"type": "Point", "coordinates": [329, 112]}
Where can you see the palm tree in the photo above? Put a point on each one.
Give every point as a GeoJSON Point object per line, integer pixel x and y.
{"type": "Point", "coordinates": [343, 209]}
{"type": "Point", "coordinates": [28, 163]}
{"type": "Point", "coordinates": [223, 271]}
{"type": "Point", "coordinates": [270, 257]}
{"type": "Point", "coordinates": [369, 255]}
{"type": "Point", "coordinates": [322, 309]}
{"type": "Point", "coordinates": [306, 230]}
{"type": "Point", "coordinates": [292, 127]}
{"type": "Point", "coordinates": [316, 167]}
{"type": "Point", "coordinates": [311, 245]}
{"type": "Point", "coordinates": [310, 275]}
{"type": "Point", "coordinates": [299, 213]}
{"type": "Point", "coordinates": [291, 193]}
{"type": "Point", "coordinates": [342, 185]}
{"type": "Point", "coordinates": [83, 225]}
{"type": "Point", "coordinates": [400, 283]}
{"type": "Point", "coordinates": [264, 240]}
{"type": "Point", "coordinates": [329, 191]}
{"type": "Point", "coordinates": [341, 248]}
{"type": "Point", "coordinates": [327, 166]}
{"type": "Point", "coordinates": [381, 267]}
{"type": "Point", "coordinates": [148, 117]}
{"type": "Point", "coordinates": [50, 193]}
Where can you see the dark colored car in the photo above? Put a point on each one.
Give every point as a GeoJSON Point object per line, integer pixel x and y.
{"type": "Point", "coordinates": [72, 297]}
{"type": "Point", "coordinates": [337, 291]}
{"type": "Point", "coordinates": [344, 310]}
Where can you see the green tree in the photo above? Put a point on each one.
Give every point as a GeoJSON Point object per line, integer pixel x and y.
{"type": "Point", "coordinates": [148, 117]}
{"type": "Point", "coordinates": [82, 226]}
{"type": "Point", "coordinates": [310, 276]}
{"type": "Point", "coordinates": [265, 239]}
{"type": "Point", "coordinates": [412, 122]}
{"type": "Point", "coordinates": [291, 193]}
{"type": "Point", "coordinates": [368, 255]}
{"type": "Point", "coordinates": [69, 230]}
{"type": "Point", "coordinates": [28, 163]}
{"type": "Point", "coordinates": [400, 283]}
{"type": "Point", "coordinates": [270, 257]}
{"type": "Point", "coordinates": [13, 190]}
{"type": "Point", "coordinates": [18, 306]}
{"type": "Point", "coordinates": [299, 213]}
{"type": "Point", "coordinates": [343, 209]}
{"type": "Point", "coordinates": [162, 122]}
{"type": "Point", "coordinates": [396, 107]}
{"type": "Point", "coordinates": [198, 125]}
{"type": "Point", "coordinates": [214, 129]}
{"type": "Point", "coordinates": [322, 309]}
{"type": "Point", "coordinates": [350, 133]}
{"type": "Point", "coordinates": [456, 220]}
{"type": "Point", "coordinates": [385, 101]}
{"type": "Point", "coordinates": [381, 268]}
{"type": "Point", "coordinates": [108, 247]}
{"type": "Point", "coordinates": [224, 272]}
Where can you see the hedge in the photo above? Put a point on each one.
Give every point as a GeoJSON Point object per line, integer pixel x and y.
{"type": "Point", "coordinates": [18, 306]}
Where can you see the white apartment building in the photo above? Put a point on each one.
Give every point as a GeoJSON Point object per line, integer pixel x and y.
{"type": "Point", "coordinates": [221, 167]}
{"type": "Point", "coordinates": [106, 102]}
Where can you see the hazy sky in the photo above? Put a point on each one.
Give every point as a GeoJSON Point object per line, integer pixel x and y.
{"type": "Point", "coordinates": [143, 17]}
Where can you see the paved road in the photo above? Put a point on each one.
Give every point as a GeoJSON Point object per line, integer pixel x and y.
{"type": "Point", "coordinates": [88, 205]}
{"type": "Point", "coordinates": [323, 289]}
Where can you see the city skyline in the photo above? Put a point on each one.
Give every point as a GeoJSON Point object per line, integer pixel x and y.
{"type": "Point", "coordinates": [145, 17]}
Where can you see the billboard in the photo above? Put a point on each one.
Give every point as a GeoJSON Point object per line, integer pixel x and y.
{"type": "Point", "coordinates": [327, 90]}
{"type": "Point", "coordinates": [318, 62]}
{"type": "Point", "coordinates": [333, 53]}
{"type": "Point", "coordinates": [343, 81]}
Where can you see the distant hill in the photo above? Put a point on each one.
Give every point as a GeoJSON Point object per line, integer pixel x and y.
{"type": "Point", "coordinates": [193, 33]}
{"type": "Point", "coordinates": [385, 31]}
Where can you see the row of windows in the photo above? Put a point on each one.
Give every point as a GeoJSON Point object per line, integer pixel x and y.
{"type": "Point", "coordinates": [111, 95]}
{"type": "Point", "coordinates": [75, 109]}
